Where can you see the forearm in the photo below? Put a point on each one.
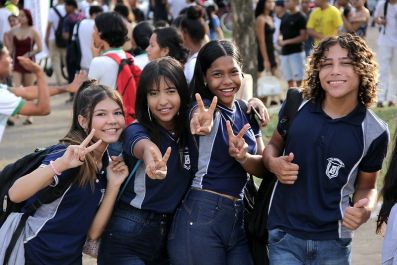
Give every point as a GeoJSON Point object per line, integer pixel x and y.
{"type": "Point", "coordinates": [296, 40]}
{"type": "Point", "coordinates": [314, 34]}
{"type": "Point", "coordinates": [28, 185]}
{"type": "Point", "coordinates": [370, 194]}
{"type": "Point", "coordinates": [31, 92]}
{"type": "Point", "coordinates": [103, 214]}
{"type": "Point", "coordinates": [253, 164]}
{"type": "Point", "coordinates": [43, 102]}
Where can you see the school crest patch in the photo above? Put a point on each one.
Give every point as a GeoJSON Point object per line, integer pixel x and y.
{"type": "Point", "coordinates": [334, 164]}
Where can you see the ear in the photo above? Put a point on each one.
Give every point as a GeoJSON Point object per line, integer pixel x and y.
{"type": "Point", "coordinates": [83, 122]}
{"type": "Point", "coordinates": [164, 51]}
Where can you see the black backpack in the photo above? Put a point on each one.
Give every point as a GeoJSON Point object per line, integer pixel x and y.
{"type": "Point", "coordinates": [256, 217]}
{"type": "Point", "coordinates": [16, 170]}
{"type": "Point", "coordinates": [59, 40]}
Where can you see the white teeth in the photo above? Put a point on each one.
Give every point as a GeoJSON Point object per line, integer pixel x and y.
{"type": "Point", "coordinates": [227, 90]}
{"type": "Point", "coordinates": [336, 82]}
{"type": "Point", "coordinates": [164, 110]}
{"type": "Point", "coordinates": [111, 130]}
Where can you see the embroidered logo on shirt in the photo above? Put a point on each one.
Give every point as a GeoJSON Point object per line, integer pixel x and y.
{"type": "Point", "coordinates": [334, 164]}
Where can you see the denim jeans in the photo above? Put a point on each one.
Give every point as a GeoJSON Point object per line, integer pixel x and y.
{"type": "Point", "coordinates": [289, 250]}
{"type": "Point", "coordinates": [208, 229]}
{"type": "Point", "coordinates": [134, 237]}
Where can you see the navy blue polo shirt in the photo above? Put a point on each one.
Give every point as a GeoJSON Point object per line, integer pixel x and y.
{"type": "Point", "coordinates": [330, 153]}
{"type": "Point", "coordinates": [217, 170]}
{"type": "Point", "coordinates": [57, 232]}
{"type": "Point", "coordinates": [161, 196]}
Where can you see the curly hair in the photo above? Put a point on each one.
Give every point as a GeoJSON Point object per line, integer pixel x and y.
{"type": "Point", "coordinates": [363, 61]}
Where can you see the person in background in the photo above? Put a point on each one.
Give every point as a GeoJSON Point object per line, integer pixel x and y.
{"type": "Point", "coordinates": [356, 21]}
{"type": "Point", "coordinates": [140, 42]}
{"type": "Point", "coordinates": [214, 24]}
{"type": "Point", "coordinates": [325, 21]}
{"type": "Point", "coordinates": [167, 42]}
{"type": "Point", "coordinates": [292, 38]}
{"type": "Point", "coordinates": [305, 8]}
{"type": "Point", "coordinates": [265, 29]}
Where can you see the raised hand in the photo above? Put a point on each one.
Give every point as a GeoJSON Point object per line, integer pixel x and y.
{"type": "Point", "coordinates": [157, 168]}
{"type": "Point", "coordinates": [237, 145]}
{"type": "Point", "coordinates": [256, 105]}
{"type": "Point", "coordinates": [356, 215]}
{"type": "Point", "coordinates": [117, 172]}
{"type": "Point", "coordinates": [284, 169]}
{"type": "Point", "coordinates": [29, 65]}
{"type": "Point", "coordinates": [74, 155]}
{"type": "Point", "coordinates": [79, 78]}
{"type": "Point", "coordinates": [203, 119]}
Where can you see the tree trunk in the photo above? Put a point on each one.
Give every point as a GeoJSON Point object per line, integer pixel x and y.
{"type": "Point", "coordinates": [244, 36]}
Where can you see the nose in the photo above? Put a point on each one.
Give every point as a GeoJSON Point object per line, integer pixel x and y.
{"type": "Point", "coordinates": [335, 69]}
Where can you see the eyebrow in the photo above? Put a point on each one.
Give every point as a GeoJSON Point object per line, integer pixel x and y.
{"type": "Point", "coordinates": [99, 110]}
{"type": "Point", "coordinates": [330, 59]}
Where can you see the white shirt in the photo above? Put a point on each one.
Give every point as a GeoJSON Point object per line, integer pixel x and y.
{"type": "Point", "coordinates": [105, 69]}
{"type": "Point", "coordinates": [86, 29]}
{"type": "Point", "coordinates": [54, 19]}
{"type": "Point", "coordinates": [141, 60]}
{"type": "Point", "coordinates": [176, 6]}
{"type": "Point", "coordinates": [4, 25]}
{"type": "Point", "coordinates": [389, 249]}
{"type": "Point", "coordinates": [189, 67]}
{"type": "Point", "coordinates": [9, 104]}
{"type": "Point", "coordinates": [389, 37]}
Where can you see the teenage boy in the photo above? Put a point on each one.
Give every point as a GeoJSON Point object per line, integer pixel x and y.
{"type": "Point", "coordinates": [327, 168]}
{"type": "Point", "coordinates": [293, 35]}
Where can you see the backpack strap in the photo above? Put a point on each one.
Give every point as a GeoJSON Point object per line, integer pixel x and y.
{"type": "Point", "coordinates": [385, 7]}
{"type": "Point", "coordinates": [127, 181]}
{"type": "Point", "coordinates": [292, 103]}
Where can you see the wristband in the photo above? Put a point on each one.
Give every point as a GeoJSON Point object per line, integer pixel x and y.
{"type": "Point", "coordinates": [56, 171]}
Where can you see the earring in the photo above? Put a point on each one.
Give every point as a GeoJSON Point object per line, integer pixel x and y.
{"type": "Point", "coordinates": [148, 111]}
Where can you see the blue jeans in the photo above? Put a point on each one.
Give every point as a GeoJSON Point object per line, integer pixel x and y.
{"type": "Point", "coordinates": [134, 237]}
{"type": "Point", "coordinates": [289, 250]}
{"type": "Point", "coordinates": [208, 229]}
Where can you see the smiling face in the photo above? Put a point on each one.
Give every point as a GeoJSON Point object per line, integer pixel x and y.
{"type": "Point", "coordinates": [223, 79]}
{"type": "Point", "coordinates": [107, 120]}
{"type": "Point", "coordinates": [164, 103]}
{"type": "Point", "coordinates": [337, 75]}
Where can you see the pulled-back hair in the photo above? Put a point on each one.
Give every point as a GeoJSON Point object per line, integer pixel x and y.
{"type": "Point", "coordinates": [206, 56]}
{"type": "Point", "coordinates": [171, 71]}
{"type": "Point", "coordinates": [170, 38]}
{"type": "Point", "coordinates": [87, 97]}
{"type": "Point", "coordinates": [193, 23]}
{"type": "Point", "coordinates": [111, 28]}
{"type": "Point", "coordinates": [363, 61]}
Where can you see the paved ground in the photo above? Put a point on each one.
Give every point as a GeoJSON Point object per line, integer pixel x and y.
{"type": "Point", "coordinates": [21, 139]}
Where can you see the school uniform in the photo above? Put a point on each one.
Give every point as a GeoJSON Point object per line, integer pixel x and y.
{"type": "Point", "coordinates": [208, 228]}
{"type": "Point", "coordinates": [138, 228]}
{"type": "Point", "coordinates": [56, 233]}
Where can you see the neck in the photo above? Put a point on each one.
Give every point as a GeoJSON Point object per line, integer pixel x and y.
{"type": "Point", "coordinates": [324, 6]}
{"type": "Point", "coordinates": [336, 108]}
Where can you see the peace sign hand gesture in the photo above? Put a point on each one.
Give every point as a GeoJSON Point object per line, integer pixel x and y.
{"type": "Point", "coordinates": [237, 145]}
{"type": "Point", "coordinates": [116, 172]}
{"type": "Point", "coordinates": [74, 155]}
{"type": "Point", "coordinates": [203, 119]}
{"type": "Point", "coordinates": [157, 167]}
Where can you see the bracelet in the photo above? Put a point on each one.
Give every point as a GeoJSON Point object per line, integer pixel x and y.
{"type": "Point", "coordinates": [56, 171]}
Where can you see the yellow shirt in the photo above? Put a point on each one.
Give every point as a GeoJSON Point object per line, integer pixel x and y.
{"type": "Point", "coordinates": [325, 21]}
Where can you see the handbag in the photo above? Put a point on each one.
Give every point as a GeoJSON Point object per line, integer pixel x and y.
{"type": "Point", "coordinates": [268, 85]}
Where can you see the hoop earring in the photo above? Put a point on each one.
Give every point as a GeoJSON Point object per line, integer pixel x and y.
{"type": "Point", "coordinates": [148, 111]}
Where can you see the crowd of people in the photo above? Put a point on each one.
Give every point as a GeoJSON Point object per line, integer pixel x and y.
{"type": "Point", "coordinates": [163, 90]}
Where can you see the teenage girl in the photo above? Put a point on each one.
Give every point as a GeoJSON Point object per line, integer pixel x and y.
{"type": "Point", "coordinates": [57, 231]}
{"type": "Point", "coordinates": [208, 226]}
{"type": "Point", "coordinates": [138, 228]}
{"type": "Point", "coordinates": [388, 212]}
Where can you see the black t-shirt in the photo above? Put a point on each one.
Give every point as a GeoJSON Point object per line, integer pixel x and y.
{"type": "Point", "coordinates": [291, 25]}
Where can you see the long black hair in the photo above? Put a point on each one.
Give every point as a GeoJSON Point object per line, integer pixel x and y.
{"type": "Point", "coordinates": [389, 190]}
{"type": "Point", "coordinates": [171, 71]}
{"type": "Point", "coordinates": [170, 38]}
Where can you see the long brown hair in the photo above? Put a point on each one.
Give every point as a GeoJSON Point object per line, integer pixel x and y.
{"type": "Point", "coordinates": [87, 97]}
{"type": "Point", "coordinates": [364, 65]}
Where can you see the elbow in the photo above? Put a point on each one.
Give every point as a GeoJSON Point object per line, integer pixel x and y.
{"type": "Point", "coordinates": [14, 196]}
{"type": "Point", "coordinates": [45, 110]}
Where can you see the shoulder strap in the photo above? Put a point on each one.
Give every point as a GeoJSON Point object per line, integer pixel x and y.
{"type": "Point", "coordinates": [57, 12]}
{"type": "Point", "coordinates": [385, 7]}
{"type": "Point", "coordinates": [121, 62]}
{"type": "Point", "coordinates": [292, 103]}
{"type": "Point", "coordinates": [127, 181]}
